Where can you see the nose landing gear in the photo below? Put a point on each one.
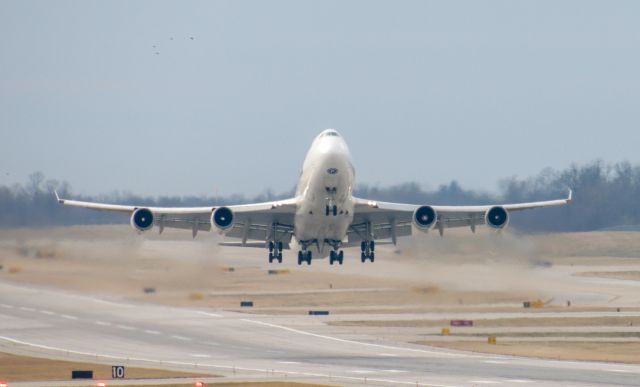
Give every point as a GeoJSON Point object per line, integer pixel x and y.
{"type": "Point", "coordinates": [331, 208]}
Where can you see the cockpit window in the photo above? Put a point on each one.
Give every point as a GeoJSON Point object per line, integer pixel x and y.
{"type": "Point", "coordinates": [330, 133]}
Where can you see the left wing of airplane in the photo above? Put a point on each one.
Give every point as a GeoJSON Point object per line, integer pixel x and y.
{"type": "Point", "coordinates": [375, 220]}
{"type": "Point", "coordinates": [256, 221]}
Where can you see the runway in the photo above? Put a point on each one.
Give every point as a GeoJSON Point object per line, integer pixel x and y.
{"type": "Point", "coordinates": [63, 325]}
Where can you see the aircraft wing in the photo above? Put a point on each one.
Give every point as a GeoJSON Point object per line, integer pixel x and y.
{"type": "Point", "coordinates": [250, 221]}
{"type": "Point", "coordinates": [384, 220]}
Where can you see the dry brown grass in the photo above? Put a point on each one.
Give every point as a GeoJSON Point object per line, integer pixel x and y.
{"type": "Point", "coordinates": [560, 350]}
{"type": "Point", "coordinates": [537, 322]}
{"type": "Point", "coordinates": [247, 384]}
{"type": "Point", "coordinates": [623, 275]}
{"type": "Point", "coordinates": [14, 368]}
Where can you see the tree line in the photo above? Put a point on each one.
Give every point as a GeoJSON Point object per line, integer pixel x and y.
{"type": "Point", "coordinates": [605, 196]}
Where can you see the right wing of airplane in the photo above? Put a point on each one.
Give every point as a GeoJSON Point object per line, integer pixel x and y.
{"type": "Point", "coordinates": [258, 221]}
{"type": "Point", "coordinates": [375, 220]}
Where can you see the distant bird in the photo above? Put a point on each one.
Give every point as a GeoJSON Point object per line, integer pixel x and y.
{"type": "Point", "coordinates": [171, 38]}
{"type": "Point", "coordinates": [157, 53]}
{"type": "Point", "coordinates": [154, 46]}
{"type": "Point", "coordinates": [191, 38]}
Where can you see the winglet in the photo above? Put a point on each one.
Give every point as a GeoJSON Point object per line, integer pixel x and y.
{"type": "Point", "coordinates": [61, 201]}
{"type": "Point", "coordinates": [570, 197]}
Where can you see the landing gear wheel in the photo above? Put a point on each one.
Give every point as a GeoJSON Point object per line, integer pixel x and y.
{"type": "Point", "coordinates": [340, 256]}
{"type": "Point", "coordinates": [332, 257]}
{"type": "Point", "coordinates": [363, 257]}
{"type": "Point", "coordinates": [326, 211]}
{"type": "Point", "coordinates": [300, 257]}
{"type": "Point", "coordinates": [270, 257]}
{"type": "Point", "coordinates": [335, 210]}
{"type": "Point", "coordinates": [308, 257]}
{"type": "Point", "coordinates": [372, 256]}
{"type": "Point", "coordinates": [372, 246]}
{"type": "Point", "coordinates": [280, 258]}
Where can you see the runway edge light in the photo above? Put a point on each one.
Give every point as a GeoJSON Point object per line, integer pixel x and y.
{"type": "Point", "coordinates": [101, 384]}
{"type": "Point", "coordinates": [3, 384]}
{"type": "Point", "coordinates": [199, 384]}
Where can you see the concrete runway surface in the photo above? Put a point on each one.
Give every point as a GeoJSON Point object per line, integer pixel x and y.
{"type": "Point", "coordinates": [51, 323]}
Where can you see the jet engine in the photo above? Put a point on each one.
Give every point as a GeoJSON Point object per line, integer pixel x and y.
{"type": "Point", "coordinates": [142, 219]}
{"type": "Point", "coordinates": [424, 218]}
{"type": "Point", "coordinates": [497, 217]}
{"type": "Point", "coordinates": [222, 218]}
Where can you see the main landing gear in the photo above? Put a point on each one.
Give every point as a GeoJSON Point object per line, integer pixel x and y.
{"type": "Point", "coordinates": [304, 256]}
{"type": "Point", "coordinates": [336, 256]}
{"type": "Point", "coordinates": [367, 251]}
{"type": "Point", "coordinates": [275, 252]}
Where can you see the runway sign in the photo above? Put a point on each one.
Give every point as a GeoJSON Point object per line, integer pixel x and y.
{"type": "Point", "coordinates": [461, 323]}
{"type": "Point", "coordinates": [117, 372]}
{"type": "Point", "coordinates": [246, 304]}
{"type": "Point", "coordinates": [81, 374]}
{"type": "Point", "coordinates": [491, 340]}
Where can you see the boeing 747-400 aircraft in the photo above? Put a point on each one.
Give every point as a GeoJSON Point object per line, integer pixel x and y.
{"type": "Point", "coordinates": [323, 217]}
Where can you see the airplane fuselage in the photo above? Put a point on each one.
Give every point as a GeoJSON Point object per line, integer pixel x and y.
{"type": "Point", "coordinates": [325, 207]}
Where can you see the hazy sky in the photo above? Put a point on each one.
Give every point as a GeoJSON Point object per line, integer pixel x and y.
{"type": "Point", "coordinates": [423, 91]}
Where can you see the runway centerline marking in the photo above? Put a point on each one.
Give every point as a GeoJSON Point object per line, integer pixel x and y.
{"type": "Point", "coordinates": [126, 327]}
{"type": "Point", "coordinates": [151, 332]}
{"type": "Point", "coordinates": [289, 362]}
{"type": "Point", "coordinates": [484, 382]}
{"type": "Point", "coordinates": [353, 341]}
{"type": "Point", "coordinates": [519, 381]}
{"type": "Point", "coordinates": [68, 317]}
{"type": "Point", "coordinates": [27, 309]}
{"type": "Point", "coordinates": [181, 338]}
{"type": "Point", "coordinates": [208, 314]}
{"type": "Point", "coordinates": [47, 312]}
{"type": "Point", "coordinates": [202, 355]}
{"type": "Point", "coordinates": [7, 306]}
{"type": "Point", "coordinates": [103, 323]}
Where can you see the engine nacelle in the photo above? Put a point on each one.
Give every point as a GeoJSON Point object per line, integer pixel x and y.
{"type": "Point", "coordinates": [424, 218]}
{"type": "Point", "coordinates": [222, 218]}
{"type": "Point", "coordinates": [497, 217]}
{"type": "Point", "coordinates": [142, 219]}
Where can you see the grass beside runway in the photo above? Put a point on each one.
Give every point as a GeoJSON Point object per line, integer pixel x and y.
{"type": "Point", "coordinates": [621, 352]}
{"type": "Point", "coordinates": [15, 368]}
{"type": "Point", "coordinates": [245, 384]}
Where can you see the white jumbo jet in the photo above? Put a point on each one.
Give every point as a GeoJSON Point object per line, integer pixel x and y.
{"type": "Point", "coordinates": [323, 217]}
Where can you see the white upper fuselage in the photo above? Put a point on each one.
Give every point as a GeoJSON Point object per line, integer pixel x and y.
{"type": "Point", "coordinates": [326, 182]}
